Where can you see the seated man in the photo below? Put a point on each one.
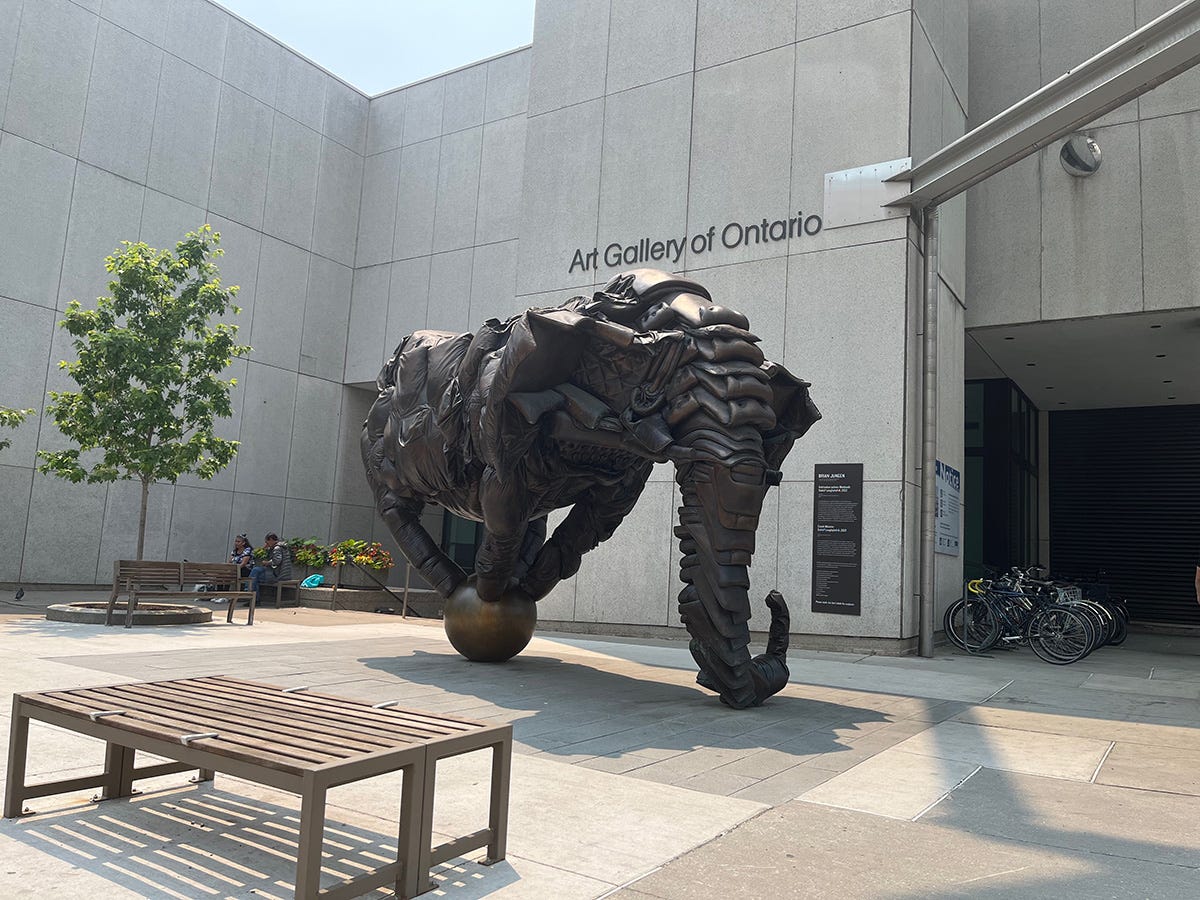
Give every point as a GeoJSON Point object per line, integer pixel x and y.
{"type": "Point", "coordinates": [277, 566]}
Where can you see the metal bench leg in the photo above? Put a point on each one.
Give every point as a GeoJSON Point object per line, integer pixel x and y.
{"type": "Point", "coordinates": [18, 747]}
{"type": "Point", "coordinates": [312, 838]}
{"type": "Point", "coordinates": [118, 772]}
{"type": "Point", "coordinates": [204, 775]}
{"type": "Point", "coordinates": [498, 814]}
{"type": "Point", "coordinates": [424, 860]}
{"type": "Point", "coordinates": [409, 881]}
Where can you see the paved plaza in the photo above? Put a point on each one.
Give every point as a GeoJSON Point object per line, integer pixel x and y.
{"type": "Point", "coordinates": [866, 777]}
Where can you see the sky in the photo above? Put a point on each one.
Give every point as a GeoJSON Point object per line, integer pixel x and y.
{"type": "Point", "coordinates": [377, 45]}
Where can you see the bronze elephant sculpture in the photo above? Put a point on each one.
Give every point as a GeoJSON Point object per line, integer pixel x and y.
{"type": "Point", "coordinates": [571, 406]}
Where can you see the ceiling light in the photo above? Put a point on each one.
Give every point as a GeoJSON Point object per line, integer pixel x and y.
{"type": "Point", "coordinates": [1168, 381]}
{"type": "Point", "coordinates": [1160, 356]}
{"type": "Point", "coordinates": [1156, 326]}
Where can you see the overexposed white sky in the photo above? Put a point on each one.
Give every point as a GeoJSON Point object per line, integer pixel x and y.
{"type": "Point", "coordinates": [377, 45]}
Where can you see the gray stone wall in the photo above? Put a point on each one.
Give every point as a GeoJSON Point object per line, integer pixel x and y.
{"type": "Point", "coordinates": [1046, 246]}
{"type": "Point", "coordinates": [719, 117]}
{"type": "Point", "coordinates": [141, 121]}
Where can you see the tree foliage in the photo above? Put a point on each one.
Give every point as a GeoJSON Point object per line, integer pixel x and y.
{"type": "Point", "coordinates": [150, 357]}
{"type": "Point", "coordinates": [11, 418]}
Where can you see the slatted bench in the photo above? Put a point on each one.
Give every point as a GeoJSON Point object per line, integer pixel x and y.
{"type": "Point", "coordinates": [288, 738]}
{"type": "Point", "coordinates": [129, 576]}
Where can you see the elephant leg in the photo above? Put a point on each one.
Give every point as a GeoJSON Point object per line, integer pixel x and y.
{"type": "Point", "coordinates": [505, 525]}
{"type": "Point", "coordinates": [593, 518]}
{"type": "Point", "coordinates": [403, 518]}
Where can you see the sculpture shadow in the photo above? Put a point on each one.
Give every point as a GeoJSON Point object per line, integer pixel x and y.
{"type": "Point", "coordinates": [205, 841]}
{"type": "Point", "coordinates": [577, 708]}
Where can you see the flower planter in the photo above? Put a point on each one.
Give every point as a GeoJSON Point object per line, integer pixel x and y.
{"type": "Point", "coordinates": [353, 576]}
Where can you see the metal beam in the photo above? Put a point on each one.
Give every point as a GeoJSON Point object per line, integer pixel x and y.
{"type": "Point", "coordinates": [1134, 65]}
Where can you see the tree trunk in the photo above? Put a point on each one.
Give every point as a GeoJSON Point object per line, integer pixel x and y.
{"type": "Point", "coordinates": [142, 518]}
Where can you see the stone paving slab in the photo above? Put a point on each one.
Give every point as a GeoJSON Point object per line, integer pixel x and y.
{"type": "Point", "coordinates": [1153, 768]}
{"type": "Point", "coordinates": [1030, 752]}
{"type": "Point", "coordinates": [1189, 690]}
{"type": "Point", "coordinates": [1071, 722]}
{"type": "Point", "coordinates": [804, 850]}
{"type": "Point", "coordinates": [1054, 813]}
{"type": "Point", "coordinates": [893, 783]}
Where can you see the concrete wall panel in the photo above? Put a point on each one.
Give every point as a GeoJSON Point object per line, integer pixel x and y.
{"type": "Point", "coordinates": [166, 220]}
{"type": "Point", "coordinates": [119, 537]}
{"type": "Point", "coordinates": [278, 315]}
{"type": "Point", "coordinates": [416, 201]}
{"type": "Point", "coordinates": [105, 210]}
{"type": "Point", "coordinates": [51, 555]}
{"type": "Point", "coordinates": [53, 58]}
{"type": "Point", "coordinates": [351, 522]}
{"type": "Point", "coordinates": [1170, 151]}
{"type": "Point", "coordinates": [1004, 270]}
{"type": "Point", "coordinates": [201, 525]}
{"type": "Point", "coordinates": [267, 415]}
{"type": "Point", "coordinates": [494, 283]}
{"type": "Point", "coordinates": [142, 17]}
{"type": "Point", "coordinates": [301, 91]}
{"type": "Point", "coordinates": [457, 190]}
{"type": "Point", "coordinates": [497, 217]}
{"type": "Point", "coordinates": [28, 331]}
{"type": "Point", "coordinates": [365, 353]}
{"type": "Point", "coordinates": [561, 196]}
{"type": "Point", "coordinates": [314, 446]}
{"type": "Point", "coordinates": [741, 148]}
{"type": "Point", "coordinates": [1181, 93]}
{"type": "Point", "coordinates": [306, 518]}
{"type": "Point", "coordinates": [339, 189]}
{"type": "Point", "coordinates": [465, 93]}
{"type": "Point", "coordinates": [35, 194]}
{"type": "Point", "coordinates": [241, 158]}
{"type": "Point", "coordinates": [326, 319]}
{"type": "Point", "coordinates": [16, 484]}
{"type": "Point", "coordinates": [196, 31]}
{"type": "Point", "coordinates": [507, 85]}
{"type": "Point", "coordinates": [185, 130]}
{"type": "Point", "coordinates": [119, 119]}
{"type": "Point", "coordinates": [10, 11]}
{"type": "Point", "coordinates": [292, 182]}
{"type": "Point", "coordinates": [639, 54]}
{"type": "Point", "coordinates": [817, 17]}
{"type": "Point", "coordinates": [857, 372]}
{"type": "Point", "coordinates": [628, 580]}
{"type": "Point", "coordinates": [423, 110]}
{"type": "Point", "coordinates": [256, 516]}
{"type": "Point", "coordinates": [238, 264]}
{"type": "Point", "coordinates": [725, 32]}
{"type": "Point", "coordinates": [252, 62]}
{"type": "Point", "coordinates": [350, 484]}
{"type": "Point", "coordinates": [346, 116]}
{"type": "Point", "coordinates": [1073, 31]}
{"type": "Point", "coordinates": [377, 216]}
{"type": "Point", "coordinates": [408, 301]}
{"type": "Point", "coordinates": [570, 49]}
{"type": "Point", "coordinates": [450, 291]}
{"type": "Point", "coordinates": [644, 170]}
{"type": "Point", "coordinates": [385, 122]}
{"type": "Point", "coordinates": [1083, 221]}
{"type": "Point", "coordinates": [1009, 69]}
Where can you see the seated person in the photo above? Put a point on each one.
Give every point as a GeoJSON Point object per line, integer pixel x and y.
{"type": "Point", "coordinates": [276, 567]}
{"type": "Point", "coordinates": [242, 555]}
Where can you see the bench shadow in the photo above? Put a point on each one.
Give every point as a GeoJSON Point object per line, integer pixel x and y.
{"type": "Point", "coordinates": [204, 841]}
{"type": "Point", "coordinates": [579, 709]}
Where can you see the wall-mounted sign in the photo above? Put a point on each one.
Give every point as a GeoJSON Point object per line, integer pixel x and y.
{"type": "Point", "coordinates": [949, 503]}
{"type": "Point", "coordinates": [837, 539]}
{"type": "Point", "coordinates": [644, 251]}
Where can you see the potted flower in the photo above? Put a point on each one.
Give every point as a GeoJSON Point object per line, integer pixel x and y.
{"type": "Point", "coordinates": [353, 555]}
{"type": "Point", "coordinates": [309, 557]}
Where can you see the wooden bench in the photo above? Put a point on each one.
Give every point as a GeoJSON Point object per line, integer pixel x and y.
{"type": "Point", "coordinates": [175, 579]}
{"type": "Point", "coordinates": [288, 738]}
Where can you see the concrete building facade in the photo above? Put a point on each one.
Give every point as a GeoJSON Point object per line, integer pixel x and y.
{"type": "Point", "coordinates": [350, 221]}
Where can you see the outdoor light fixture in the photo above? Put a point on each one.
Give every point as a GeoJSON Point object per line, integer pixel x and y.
{"type": "Point", "coordinates": [1080, 155]}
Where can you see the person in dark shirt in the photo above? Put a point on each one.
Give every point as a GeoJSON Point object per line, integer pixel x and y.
{"type": "Point", "coordinates": [277, 566]}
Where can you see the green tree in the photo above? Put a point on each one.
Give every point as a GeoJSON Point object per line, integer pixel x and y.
{"type": "Point", "coordinates": [149, 366]}
{"type": "Point", "coordinates": [11, 418]}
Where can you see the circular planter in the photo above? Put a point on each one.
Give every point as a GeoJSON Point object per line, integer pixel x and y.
{"type": "Point", "coordinates": [145, 614]}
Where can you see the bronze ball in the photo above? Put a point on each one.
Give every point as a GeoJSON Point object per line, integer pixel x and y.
{"type": "Point", "coordinates": [489, 631]}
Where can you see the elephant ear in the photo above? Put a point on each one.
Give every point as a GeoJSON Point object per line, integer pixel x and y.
{"type": "Point", "coordinates": [795, 413]}
{"type": "Point", "coordinates": [543, 350]}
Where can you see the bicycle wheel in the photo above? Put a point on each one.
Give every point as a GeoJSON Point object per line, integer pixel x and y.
{"type": "Point", "coordinates": [1060, 635]}
{"type": "Point", "coordinates": [979, 632]}
{"type": "Point", "coordinates": [1120, 624]}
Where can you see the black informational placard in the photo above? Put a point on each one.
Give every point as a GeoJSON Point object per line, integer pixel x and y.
{"type": "Point", "coordinates": [837, 539]}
